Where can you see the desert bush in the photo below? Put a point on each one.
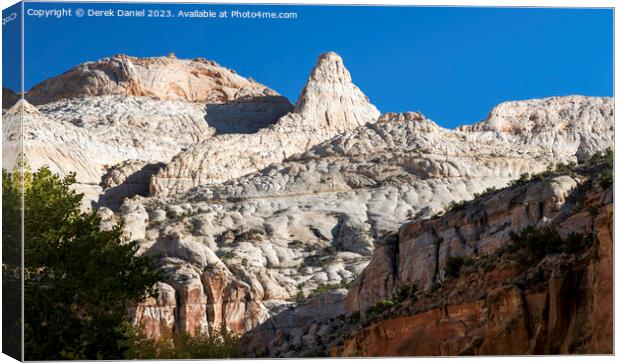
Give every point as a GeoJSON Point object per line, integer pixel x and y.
{"type": "Point", "coordinates": [456, 206]}
{"type": "Point", "coordinates": [295, 243]}
{"type": "Point", "coordinates": [601, 166]}
{"type": "Point", "coordinates": [325, 288]}
{"type": "Point", "coordinates": [226, 255]}
{"type": "Point", "coordinates": [405, 292]}
{"type": "Point", "coordinates": [539, 242]}
{"type": "Point", "coordinates": [378, 308]}
{"type": "Point", "coordinates": [253, 234]}
{"type": "Point", "coordinates": [523, 178]}
{"type": "Point", "coordinates": [216, 343]}
{"type": "Point", "coordinates": [566, 168]}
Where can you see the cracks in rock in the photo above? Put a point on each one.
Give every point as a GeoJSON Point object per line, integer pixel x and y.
{"type": "Point", "coordinates": [394, 242]}
{"type": "Point", "coordinates": [459, 236]}
{"type": "Point", "coordinates": [526, 314]}
{"type": "Point", "coordinates": [177, 312]}
{"type": "Point", "coordinates": [437, 243]}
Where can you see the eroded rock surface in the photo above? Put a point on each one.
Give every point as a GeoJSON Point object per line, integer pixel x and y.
{"type": "Point", "coordinates": [166, 78]}
{"type": "Point", "coordinates": [100, 115]}
{"type": "Point", "coordinates": [560, 306]}
{"type": "Point", "coordinates": [329, 104]}
{"type": "Point", "coordinates": [316, 218]}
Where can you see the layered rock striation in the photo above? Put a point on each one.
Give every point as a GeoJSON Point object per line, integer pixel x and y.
{"type": "Point", "coordinates": [165, 78]}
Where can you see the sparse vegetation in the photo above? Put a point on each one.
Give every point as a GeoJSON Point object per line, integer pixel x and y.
{"type": "Point", "coordinates": [325, 288]}
{"type": "Point", "coordinates": [171, 213]}
{"type": "Point", "coordinates": [487, 191]}
{"type": "Point", "coordinates": [405, 292]}
{"type": "Point", "coordinates": [456, 206]}
{"type": "Point", "coordinates": [539, 242]}
{"type": "Point", "coordinates": [329, 250]}
{"type": "Point", "coordinates": [214, 344]}
{"type": "Point", "coordinates": [226, 255]}
{"type": "Point", "coordinates": [253, 234]}
{"type": "Point", "coordinates": [601, 166]}
{"type": "Point", "coordinates": [195, 225]}
{"type": "Point", "coordinates": [379, 308]}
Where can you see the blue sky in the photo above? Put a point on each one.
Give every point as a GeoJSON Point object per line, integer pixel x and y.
{"type": "Point", "coordinates": [452, 64]}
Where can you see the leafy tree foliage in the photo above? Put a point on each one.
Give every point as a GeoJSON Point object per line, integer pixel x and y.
{"type": "Point", "coordinates": [78, 279]}
{"type": "Point", "coordinates": [601, 166]}
{"type": "Point", "coordinates": [11, 265]}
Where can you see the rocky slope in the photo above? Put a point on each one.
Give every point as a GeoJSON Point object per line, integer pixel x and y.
{"type": "Point", "coordinates": [315, 219]}
{"type": "Point", "coordinates": [572, 120]}
{"type": "Point", "coordinates": [506, 301]}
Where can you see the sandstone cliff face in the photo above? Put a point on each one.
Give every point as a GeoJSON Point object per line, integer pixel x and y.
{"type": "Point", "coordinates": [560, 306]}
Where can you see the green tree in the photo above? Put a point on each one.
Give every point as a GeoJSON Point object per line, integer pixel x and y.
{"type": "Point", "coordinates": [11, 265]}
{"type": "Point", "coordinates": [78, 279]}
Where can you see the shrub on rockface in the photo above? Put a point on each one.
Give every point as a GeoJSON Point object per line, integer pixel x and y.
{"type": "Point", "coordinates": [601, 166]}
{"type": "Point", "coordinates": [378, 308]}
{"type": "Point", "coordinates": [78, 279]}
{"type": "Point", "coordinates": [405, 292]}
{"type": "Point", "coordinates": [539, 242]}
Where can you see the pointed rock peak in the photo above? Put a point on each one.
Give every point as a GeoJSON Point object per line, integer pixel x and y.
{"type": "Point", "coordinates": [330, 101]}
{"type": "Point", "coordinates": [22, 106]}
{"type": "Point", "coordinates": [330, 68]}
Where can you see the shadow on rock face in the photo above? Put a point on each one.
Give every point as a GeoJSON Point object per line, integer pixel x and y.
{"type": "Point", "coordinates": [297, 330]}
{"type": "Point", "coordinates": [126, 181]}
{"type": "Point", "coordinates": [246, 116]}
